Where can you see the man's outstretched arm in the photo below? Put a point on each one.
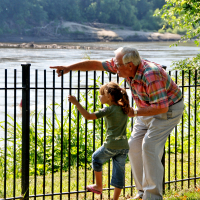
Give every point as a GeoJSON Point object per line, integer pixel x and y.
{"type": "Point", "coordinates": [89, 65]}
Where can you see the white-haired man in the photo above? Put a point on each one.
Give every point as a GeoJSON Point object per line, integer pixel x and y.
{"type": "Point", "coordinates": [159, 109]}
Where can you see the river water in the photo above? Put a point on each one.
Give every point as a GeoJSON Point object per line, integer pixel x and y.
{"type": "Point", "coordinates": [41, 59]}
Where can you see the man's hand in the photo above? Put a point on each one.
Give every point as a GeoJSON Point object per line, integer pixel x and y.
{"type": "Point", "coordinates": [87, 65]}
{"type": "Point", "coordinates": [131, 112]}
{"type": "Point", "coordinates": [72, 99]}
{"type": "Point", "coordinates": [59, 70]}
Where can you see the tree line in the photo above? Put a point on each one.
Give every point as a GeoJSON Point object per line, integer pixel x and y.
{"type": "Point", "coordinates": [17, 16]}
{"type": "Point", "coordinates": [185, 15]}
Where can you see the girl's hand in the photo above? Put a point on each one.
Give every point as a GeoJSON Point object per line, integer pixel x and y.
{"type": "Point", "coordinates": [72, 99]}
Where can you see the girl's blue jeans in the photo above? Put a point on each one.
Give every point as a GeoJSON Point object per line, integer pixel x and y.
{"type": "Point", "coordinates": [103, 154]}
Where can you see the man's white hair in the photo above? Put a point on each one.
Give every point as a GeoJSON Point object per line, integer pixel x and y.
{"type": "Point", "coordinates": [129, 55]}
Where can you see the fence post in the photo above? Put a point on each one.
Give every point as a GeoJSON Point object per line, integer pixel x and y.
{"type": "Point", "coordinates": [25, 128]}
{"type": "Point", "coordinates": [163, 162]}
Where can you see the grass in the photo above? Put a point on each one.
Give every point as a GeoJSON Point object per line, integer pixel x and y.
{"type": "Point", "coordinates": [182, 194]}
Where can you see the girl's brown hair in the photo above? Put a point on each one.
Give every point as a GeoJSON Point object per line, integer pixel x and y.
{"type": "Point", "coordinates": [118, 94]}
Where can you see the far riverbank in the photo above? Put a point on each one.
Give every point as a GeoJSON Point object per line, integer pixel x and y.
{"type": "Point", "coordinates": [78, 33]}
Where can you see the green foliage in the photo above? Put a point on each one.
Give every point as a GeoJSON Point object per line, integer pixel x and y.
{"type": "Point", "coordinates": [137, 25]}
{"type": "Point", "coordinates": [74, 132]}
{"type": "Point", "coordinates": [18, 16]}
{"type": "Point", "coordinates": [42, 143]}
{"type": "Point", "coordinates": [178, 30]}
{"type": "Point", "coordinates": [185, 15]}
{"type": "Point", "coordinates": [187, 129]}
{"type": "Point", "coordinates": [175, 30]}
{"type": "Point", "coordinates": [188, 64]}
{"type": "Point", "coordinates": [161, 31]}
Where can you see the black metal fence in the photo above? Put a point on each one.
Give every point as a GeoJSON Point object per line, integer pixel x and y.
{"type": "Point", "coordinates": [46, 146]}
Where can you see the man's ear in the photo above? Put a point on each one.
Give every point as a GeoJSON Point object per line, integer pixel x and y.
{"type": "Point", "coordinates": [131, 64]}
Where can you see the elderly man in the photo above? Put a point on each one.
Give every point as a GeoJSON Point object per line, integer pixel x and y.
{"type": "Point", "coordinates": [159, 109]}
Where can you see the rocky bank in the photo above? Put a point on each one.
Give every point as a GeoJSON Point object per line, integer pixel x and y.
{"type": "Point", "coordinates": [47, 37]}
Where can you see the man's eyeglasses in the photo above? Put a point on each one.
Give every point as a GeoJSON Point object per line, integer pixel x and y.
{"type": "Point", "coordinates": [119, 65]}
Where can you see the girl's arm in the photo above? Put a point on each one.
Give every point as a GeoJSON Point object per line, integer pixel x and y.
{"type": "Point", "coordinates": [82, 110]}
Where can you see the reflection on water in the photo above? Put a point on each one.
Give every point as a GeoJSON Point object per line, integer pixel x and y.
{"type": "Point", "coordinates": [41, 59]}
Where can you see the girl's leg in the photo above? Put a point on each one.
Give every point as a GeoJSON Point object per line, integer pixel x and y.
{"type": "Point", "coordinates": [118, 172]}
{"type": "Point", "coordinates": [99, 157]}
{"type": "Point", "coordinates": [98, 177]}
{"type": "Point", "coordinates": [117, 192]}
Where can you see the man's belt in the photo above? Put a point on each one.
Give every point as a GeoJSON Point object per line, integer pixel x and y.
{"type": "Point", "coordinates": [178, 101]}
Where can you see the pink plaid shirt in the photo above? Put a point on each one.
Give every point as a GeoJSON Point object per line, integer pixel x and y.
{"type": "Point", "coordinates": [151, 86]}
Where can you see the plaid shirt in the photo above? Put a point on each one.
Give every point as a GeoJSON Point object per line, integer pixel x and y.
{"type": "Point", "coordinates": [151, 86]}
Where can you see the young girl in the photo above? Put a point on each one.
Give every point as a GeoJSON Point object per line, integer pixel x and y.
{"type": "Point", "coordinates": [116, 144]}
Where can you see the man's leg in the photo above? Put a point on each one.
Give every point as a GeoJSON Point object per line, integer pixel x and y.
{"type": "Point", "coordinates": [135, 154]}
{"type": "Point", "coordinates": [152, 150]}
{"type": "Point", "coordinates": [146, 152]}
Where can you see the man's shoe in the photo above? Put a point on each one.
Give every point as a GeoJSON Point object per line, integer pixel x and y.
{"type": "Point", "coordinates": [137, 197]}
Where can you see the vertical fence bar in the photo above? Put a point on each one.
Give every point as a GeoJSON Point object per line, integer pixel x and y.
{"type": "Point", "coordinates": [169, 160]}
{"type": "Point", "coordinates": [131, 119]}
{"type": "Point", "coordinates": [86, 106]}
{"type": "Point", "coordinates": [45, 115]}
{"type": "Point", "coordinates": [195, 129]}
{"type": "Point", "coordinates": [189, 130]}
{"type": "Point", "coordinates": [61, 160]}
{"type": "Point", "coordinates": [163, 162]}
{"type": "Point", "coordinates": [102, 130]}
{"type": "Point", "coordinates": [182, 135]}
{"type": "Point", "coordinates": [124, 190]}
{"type": "Point", "coordinates": [36, 111]}
{"type": "Point", "coordinates": [69, 154]}
{"type": "Point", "coordinates": [5, 144]}
{"type": "Point", "coordinates": [131, 105]}
{"type": "Point", "coordinates": [117, 79]}
{"type": "Point", "coordinates": [25, 128]}
{"type": "Point", "coordinates": [53, 134]}
{"type": "Point", "coordinates": [176, 144]}
{"type": "Point", "coordinates": [78, 140]}
{"type": "Point", "coordinates": [102, 107]}
{"type": "Point", "coordinates": [109, 160]}
{"type": "Point", "coordinates": [15, 119]}
{"type": "Point", "coordinates": [94, 109]}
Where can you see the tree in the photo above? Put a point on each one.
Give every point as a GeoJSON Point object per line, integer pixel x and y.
{"type": "Point", "coordinates": [143, 6]}
{"type": "Point", "coordinates": [184, 14]}
{"type": "Point", "coordinates": [145, 10]}
{"type": "Point", "coordinates": [16, 15]}
{"type": "Point", "coordinates": [157, 4]}
{"type": "Point", "coordinates": [113, 11]}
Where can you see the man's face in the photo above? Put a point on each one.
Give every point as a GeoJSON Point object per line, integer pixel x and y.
{"type": "Point", "coordinates": [123, 70]}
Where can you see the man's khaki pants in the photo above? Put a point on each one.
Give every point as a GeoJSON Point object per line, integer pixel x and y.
{"type": "Point", "coordinates": [146, 149]}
